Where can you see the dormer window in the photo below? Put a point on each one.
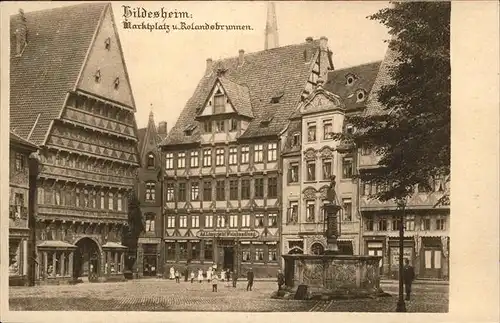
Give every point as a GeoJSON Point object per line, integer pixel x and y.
{"type": "Point", "coordinates": [97, 76]}
{"type": "Point", "coordinates": [107, 43]}
{"type": "Point", "coordinates": [189, 130]}
{"type": "Point", "coordinates": [360, 96]}
{"type": "Point", "coordinates": [350, 78]}
{"type": "Point", "coordinates": [151, 160]}
{"type": "Point", "coordinates": [117, 83]}
{"type": "Point", "coordinates": [219, 103]}
{"type": "Point", "coordinates": [277, 97]}
{"type": "Point", "coordinates": [233, 126]}
{"type": "Point", "coordinates": [296, 140]}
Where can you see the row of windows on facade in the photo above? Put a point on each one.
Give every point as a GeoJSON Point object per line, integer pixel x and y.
{"type": "Point", "coordinates": [312, 131]}
{"type": "Point", "coordinates": [191, 250]}
{"type": "Point", "coordinates": [236, 192]}
{"type": "Point", "coordinates": [326, 170]}
{"type": "Point", "coordinates": [311, 214]}
{"type": "Point", "coordinates": [102, 109]}
{"type": "Point", "coordinates": [223, 220]}
{"type": "Point", "coordinates": [82, 198]}
{"type": "Point", "coordinates": [220, 126]}
{"type": "Point", "coordinates": [435, 185]}
{"type": "Point", "coordinates": [388, 223]}
{"type": "Point", "coordinates": [259, 155]}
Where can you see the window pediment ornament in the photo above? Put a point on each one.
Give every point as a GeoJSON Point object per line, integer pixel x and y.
{"type": "Point", "coordinates": [310, 154]}
{"type": "Point", "coordinates": [323, 192]}
{"type": "Point", "coordinates": [309, 193]}
{"type": "Point", "coordinates": [326, 152]}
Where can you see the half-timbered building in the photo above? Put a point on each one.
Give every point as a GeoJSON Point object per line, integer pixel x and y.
{"type": "Point", "coordinates": [70, 95]}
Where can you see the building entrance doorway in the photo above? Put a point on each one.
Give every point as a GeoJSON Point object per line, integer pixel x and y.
{"type": "Point", "coordinates": [229, 258]}
{"type": "Point", "coordinates": [87, 259]}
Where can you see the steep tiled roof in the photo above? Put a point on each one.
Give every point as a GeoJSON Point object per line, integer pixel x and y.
{"type": "Point", "coordinates": [58, 40]}
{"type": "Point", "coordinates": [364, 76]}
{"type": "Point", "coordinates": [239, 96]}
{"type": "Point", "coordinates": [264, 73]}
{"type": "Point", "coordinates": [141, 134]}
{"type": "Point", "coordinates": [21, 141]}
{"type": "Point", "coordinates": [373, 106]}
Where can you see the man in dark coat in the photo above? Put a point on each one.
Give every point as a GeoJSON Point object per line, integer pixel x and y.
{"type": "Point", "coordinates": [281, 279]}
{"type": "Point", "coordinates": [186, 273]}
{"type": "Point", "coordinates": [250, 279]}
{"type": "Point", "coordinates": [235, 277]}
{"type": "Point", "coordinates": [408, 276]}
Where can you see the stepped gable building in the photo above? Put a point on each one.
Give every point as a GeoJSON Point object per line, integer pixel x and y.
{"type": "Point", "coordinates": [426, 224]}
{"type": "Point", "coordinates": [222, 165]}
{"type": "Point", "coordinates": [20, 206]}
{"type": "Point", "coordinates": [311, 156]}
{"type": "Point", "coordinates": [149, 187]}
{"type": "Point", "coordinates": [71, 96]}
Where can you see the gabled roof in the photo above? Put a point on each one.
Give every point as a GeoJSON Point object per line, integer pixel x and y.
{"type": "Point", "coordinates": [58, 41]}
{"type": "Point", "coordinates": [14, 138]}
{"type": "Point", "coordinates": [364, 77]}
{"type": "Point", "coordinates": [264, 73]}
{"type": "Point", "coordinates": [239, 96]}
{"type": "Point", "coordinates": [145, 133]}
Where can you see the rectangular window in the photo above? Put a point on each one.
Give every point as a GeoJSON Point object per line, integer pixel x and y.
{"type": "Point", "coordinates": [310, 208]}
{"type": "Point", "coordinates": [258, 153]}
{"type": "Point", "coordinates": [311, 170]}
{"type": "Point", "coordinates": [245, 153]}
{"type": "Point", "coordinates": [272, 152]}
{"type": "Point", "coordinates": [245, 189]}
{"type": "Point", "coordinates": [195, 191]}
{"type": "Point", "coordinates": [366, 189]}
{"type": "Point", "coordinates": [207, 157]}
{"type": "Point", "coordinates": [296, 140]}
{"type": "Point", "coordinates": [170, 192]}
{"type": "Point", "coordinates": [245, 255]}
{"type": "Point", "coordinates": [170, 221]}
{"type": "Point", "coordinates": [233, 126]}
{"type": "Point", "coordinates": [293, 173]}
{"type": "Point", "coordinates": [311, 131]}
{"type": "Point", "coordinates": [169, 161]}
{"type": "Point", "coordinates": [440, 224]}
{"type": "Point", "coordinates": [182, 250]}
{"type": "Point", "coordinates": [347, 209]}
{"type": "Point", "coordinates": [219, 157]}
{"type": "Point", "coordinates": [233, 156]}
{"type": "Point", "coordinates": [195, 250]}
{"type": "Point", "coordinates": [111, 201]}
{"type": "Point", "coordinates": [272, 220]}
{"type": "Point", "coordinates": [220, 190]}
{"type": "Point", "coordinates": [182, 192]}
{"type": "Point", "coordinates": [245, 220]}
{"type": "Point", "coordinates": [195, 221]}
{"type": "Point", "coordinates": [207, 191]}
{"type": "Point", "coordinates": [170, 250]}
{"type": "Point", "coordinates": [272, 187]}
{"type": "Point", "coordinates": [181, 160]}
{"type": "Point", "coordinates": [259, 220]}
{"type": "Point", "coordinates": [347, 170]}
{"type": "Point", "coordinates": [425, 224]}
{"type": "Point", "coordinates": [209, 250]}
{"type": "Point", "coordinates": [209, 221]}
{"type": "Point", "coordinates": [119, 202]}
{"type": "Point", "coordinates": [183, 221]}
{"type": "Point", "coordinates": [293, 213]}
{"type": "Point", "coordinates": [259, 254]}
{"type": "Point", "coordinates": [410, 223]}
{"type": "Point", "coordinates": [259, 188]}
{"type": "Point", "coordinates": [327, 129]}
{"type": "Point", "coordinates": [369, 224]}
{"type": "Point", "coordinates": [273, 254]}
{"type": "Point", "coordinates": [207, 126]}
{"type": "Point", "coordinates": [233, 189]}
{"type": "Point", "coordinates": [395, 223]}
{"type": "Point", "coordinates": [150, 191]}
{"type": "Point", "coordinates": [221, 221]}
{"type": "Point", "coordinates": [327, 169]}
{"type": "Point", "coordinates": [365, 150]}
{"type": "Point", "coordinates": [102, 199]}
{"type": "Point", "coordinates": [219, 102]}
{"type": "Point", "coordinates": [233, 221]}
{"type": "Point", "coordinates": [19, 162]}
{"type": "Point", "coordinates": [382, 224]}
{"type": "Point", "coordinates": [195, 161]}
{"type": "Point", "coordinates": [219, 126]}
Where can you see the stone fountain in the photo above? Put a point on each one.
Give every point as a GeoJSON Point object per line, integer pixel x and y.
{"type": "Point", "coordinates": [332, 275]}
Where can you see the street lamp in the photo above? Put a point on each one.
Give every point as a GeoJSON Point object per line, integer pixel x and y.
{"type": "Point", "coordinates": [401, 205]}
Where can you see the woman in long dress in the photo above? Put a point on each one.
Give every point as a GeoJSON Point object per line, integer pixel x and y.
{"type": "Point", "coordinates": [172, 273]}
{"type": "Point", "coordinates": [209, 274]}
{"type": "Point", "coordinates": [200, 275]}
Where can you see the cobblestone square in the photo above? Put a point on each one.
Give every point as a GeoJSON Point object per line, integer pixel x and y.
{"type": "Point", "coordinates": [165, 295]}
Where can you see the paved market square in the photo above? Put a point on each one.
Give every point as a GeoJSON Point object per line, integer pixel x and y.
{"type": "Point", "coordinates": [166, 295]}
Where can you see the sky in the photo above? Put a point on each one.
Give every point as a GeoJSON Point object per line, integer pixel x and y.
{"type": "Point", "coordinates": [164, 68]}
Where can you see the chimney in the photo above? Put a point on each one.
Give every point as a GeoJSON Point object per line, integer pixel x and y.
{"type": "Point", "coordinates": [21, 33]}
{"type": "Point", "coordinates": [162, 128]}
{"type": "Point", "coordinates": [323, 43]}
{"type": "Point", "coordinates": [209, 65]}
{"type": "Point", "coordinates": [241, 57]}
{"type": "Point", "coordinates": [309, 39]}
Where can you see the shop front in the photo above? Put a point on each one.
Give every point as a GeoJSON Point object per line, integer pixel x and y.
{"type": "Point", "coordinates": [18, 261]}
{"type": "Point", "coordinates": [408, 253]}
{"type": "Point", "coordinates": [434, 262]}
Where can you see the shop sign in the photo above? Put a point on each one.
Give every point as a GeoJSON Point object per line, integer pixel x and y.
{"type": "Point", "coordinates": [407, 252]}
{"type": "Point", "coordinates": [249, 234]}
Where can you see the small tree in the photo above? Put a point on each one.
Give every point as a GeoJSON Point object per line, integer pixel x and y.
{"type": "Point", "coordinates": [133, 230]}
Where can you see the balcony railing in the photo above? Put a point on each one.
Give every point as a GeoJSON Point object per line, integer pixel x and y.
{"type": "Point", "coordinates": [79, 213]}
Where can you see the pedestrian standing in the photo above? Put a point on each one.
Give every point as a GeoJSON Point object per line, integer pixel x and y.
{"type": "Point", "coordinates": [209, 274]}
{"type": "Point", "coordinates": [200, 275]}
{"type": "Point", "coordinates": [228, 277]}
{"type": "Point", "coordinates": [281, 279]}
{"type": "Point", "coordinates": [408, 277]}
{"type": "Point", "coordinates": [235, 278]}
{"type": "Point", "coordinates": [192, 276]}
{"type": "Point", "coordinates": [172, 273]}
{"type": "Point", "coordinates": [249, 279]}
{"type": "Point", "coordinates": [186, 273]}
{"type": "Point", "coordinates": [177, 276]}
{"type": "Point", "coordinates": [214, 282]}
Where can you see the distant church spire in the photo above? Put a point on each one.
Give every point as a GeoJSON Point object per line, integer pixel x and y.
{"type": "Point", "coordinates": [151, 116]}
{"type": "Point", "coordinates": [271, 27]}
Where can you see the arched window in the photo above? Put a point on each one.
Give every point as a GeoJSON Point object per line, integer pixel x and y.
{"type": "Point", "coordinates": [150, 223]}
{"type": "Point", "coordinates": [317, 249]}
{"type": "Point", "coordinates": [150, 191]}
{"type": "Point", "coordinates": [151, 160]}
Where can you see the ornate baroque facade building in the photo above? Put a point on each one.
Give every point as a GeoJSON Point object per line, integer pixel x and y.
{"type": "Point", "coordinates": [222, 158]}
{"type": "Point", "coordinates": [70, 94]}
{"type": "Point", "coordinates": [20, 207]}
{"type": "Point", "coordinates": [149, 187]}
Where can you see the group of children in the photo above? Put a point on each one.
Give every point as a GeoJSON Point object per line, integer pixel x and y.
{"type": "Point", "coordinates": [212, 276]}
